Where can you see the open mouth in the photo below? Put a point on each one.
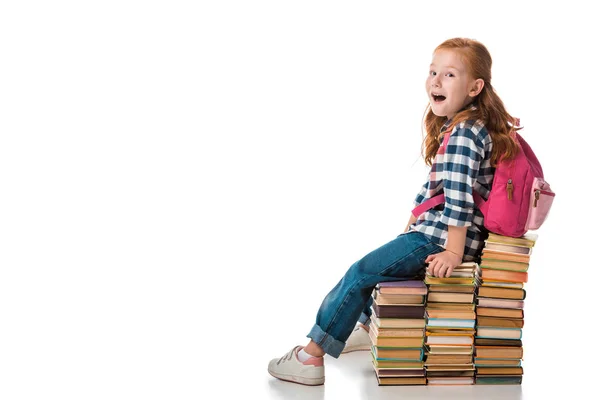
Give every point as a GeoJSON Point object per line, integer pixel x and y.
{"type": "Point", "coordinates": [438, 98]}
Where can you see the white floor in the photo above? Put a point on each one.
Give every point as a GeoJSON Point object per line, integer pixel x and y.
{"type": "Point", "coordinates": [351, 377]}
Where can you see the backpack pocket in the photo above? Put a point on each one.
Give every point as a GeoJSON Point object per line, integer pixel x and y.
{"type": "Point", "coordinates": [541, 201]}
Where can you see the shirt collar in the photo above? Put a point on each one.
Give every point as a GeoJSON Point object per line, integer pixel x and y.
{"type": "Point", "coordinates": [469, 106]}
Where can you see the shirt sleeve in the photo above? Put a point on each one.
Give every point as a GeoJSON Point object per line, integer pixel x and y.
{"type": "Point", "coordinates": [464, 152]}
{"type": "Point", "coordinates": [421, 195]}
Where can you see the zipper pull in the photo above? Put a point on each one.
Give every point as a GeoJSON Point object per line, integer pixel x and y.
{"type": "Point", "coordinates": [537, 197]}
{"type": "Point", "coordinates": [509, 189]}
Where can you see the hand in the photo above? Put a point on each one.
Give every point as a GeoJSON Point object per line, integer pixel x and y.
{"type": "Point", "coordinates": [442, 264]}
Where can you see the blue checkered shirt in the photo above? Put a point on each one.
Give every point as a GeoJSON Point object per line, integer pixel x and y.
{"type": "Point", "coordinates": [465, 166]}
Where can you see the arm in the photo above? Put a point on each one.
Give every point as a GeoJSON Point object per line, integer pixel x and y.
{"type": "Point", "coordinates": [442, 264]}
{"type": "Point", "coordinates": [418, 200]}
{"type": "Point", "coordinates": [463, 155]}
{"type": "Point", "coordinates": [457, 235]}
{"type": "Point", "coordinates": [411, 221]}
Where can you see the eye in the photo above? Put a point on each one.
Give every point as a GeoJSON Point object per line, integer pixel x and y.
{"type": "Point", "coordinates": [450, 74]}
{"type": "Point", "coordinates": [432, 73]}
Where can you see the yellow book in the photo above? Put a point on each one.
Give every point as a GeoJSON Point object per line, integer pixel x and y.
{"type": "Point", "coordinates": [527, 240]}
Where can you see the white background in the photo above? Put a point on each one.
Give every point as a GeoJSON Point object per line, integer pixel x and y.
{"type": "Point", "coordinates": [181, 183]}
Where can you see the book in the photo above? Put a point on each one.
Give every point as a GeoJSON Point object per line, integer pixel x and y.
{"type": "Point", "coordinates": [433, 323]}
{"type": "Point", "coordinates": [503, 275]}
{"type": "Point", "coordinates": [500, 371]}
{"type": "Point", "coordinates": [498, 333]}
{"type": "Point", "coordinates": [498, 342]}
{"type": "Point", "coordinates": [527, 240]}
{"type": "Point", "coordinates": [503, 264]}
{"type": "Point", "coordinates": [395, 322]}
{"type": "Point", "coordinates": [385, 380]}
{"type": "Point", "coordinates": [506, 248]}
{"type": "Point", "coordinates": [451, 306]}
{"type": "Point", "coordinates": [451, 367]}
{"type": "Point", "coordinates": [397, 354]}
{"type": "Point", "coordinates": [492, 362]}
{"type": "Point", "coordinates": [502, 293]}
{"type": "Point", "coordinates": [500, 322]}
{"type": "Point", "coordinates": [395, 299]}
{"type": "Point", "coordinates": [452, 288]}
{"type": "Point", "coordinates": [381, 341]}
{"type": "Point", "coordinates": [449, 331]}
{"type": "Point", "coordinates": [432, 358]}
{"type": "Point", "coordinates": [499, 303]}
{"type": "Point", "coordinates": [511, 285]}
{"type": "Point", "coordinates": [444, 373]}
{"type": "Point", "coordinates": [398, 372]}
{"type": "Point", "coordinates": [436, 313]}
{"type": "Point", "coordinates": [450, 297]}
{"type": "Point", "coordinates": [432, 280]}
{"type": "Point", "coordinates": [499, 380]}
{"type": "Point", "coordinates": [449, 339]}
{"type": "Point", "coordinates": [498, 351]}
{"type": "Point", "coordinates": [397, 332]}
{"type": "Point", "coordinates": [399, 311]}
{"type": "Point", "coordinates": [454, 350]}
{"type": "Point", "coordinates": [402, 287]}
{"type": "Point", "coordinates": [450, 381]}
{"type": "Point", "coordinates": [382, 363]}
{"type": "Point", "coordinates": [499, 312]}
{"type": "Point", "coordinates": [488, 254]}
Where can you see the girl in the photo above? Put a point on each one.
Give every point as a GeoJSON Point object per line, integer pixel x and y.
{"type": "Point", "coordinates": [463, 104]}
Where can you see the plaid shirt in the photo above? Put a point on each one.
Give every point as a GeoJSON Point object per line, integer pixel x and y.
{"type": "Point", "coordinates": [465, 166]}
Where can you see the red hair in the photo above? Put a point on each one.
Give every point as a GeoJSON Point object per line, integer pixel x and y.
{"type": "Point", "coordinates": [489, 108]}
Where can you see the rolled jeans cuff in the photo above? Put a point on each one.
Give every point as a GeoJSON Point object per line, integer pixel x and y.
{"type": "Point", "coordinates": [364, 319]}
{"type": "Point", "coordinates": [328, 343]}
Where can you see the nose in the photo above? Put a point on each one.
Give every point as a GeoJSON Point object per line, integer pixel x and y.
{"type": "Point", "coordinates": [435, 81]}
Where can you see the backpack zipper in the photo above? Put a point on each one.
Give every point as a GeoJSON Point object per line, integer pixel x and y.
{"type": "Point", "coordinates": [509, 189]}
{"type": "Point", "coordinates": [537, 193]}
{"type": "Point", "coordinates": [509, 184]}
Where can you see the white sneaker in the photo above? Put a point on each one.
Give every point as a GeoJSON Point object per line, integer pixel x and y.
{"type": "Point", "coordinates": [359, 340]}
{"type": "Point", "coordinates": [289, 368]}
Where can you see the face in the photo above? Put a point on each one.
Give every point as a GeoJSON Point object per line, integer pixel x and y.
{"type": "Point", "coordinates": [449, 85]}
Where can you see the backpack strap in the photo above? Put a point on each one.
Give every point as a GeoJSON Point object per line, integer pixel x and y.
{"type": "Point", "coordinates": [440, 199]}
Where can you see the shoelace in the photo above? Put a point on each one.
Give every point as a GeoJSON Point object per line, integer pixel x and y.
{"type": "Point", "coordinates": [287, 357]}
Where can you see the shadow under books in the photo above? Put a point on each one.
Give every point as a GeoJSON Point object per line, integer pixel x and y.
{"type": "Point", "coordinates": [372, 391]}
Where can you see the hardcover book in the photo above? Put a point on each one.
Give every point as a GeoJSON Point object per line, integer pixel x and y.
{"type": "Point", "coordinates": [498, 333]}
{"type": "Point", "coordinates": [402, 287]}
{"type": "Point", "coordinates": [399, 311]}
{"type": "Point", "coordinates": [502, 293]}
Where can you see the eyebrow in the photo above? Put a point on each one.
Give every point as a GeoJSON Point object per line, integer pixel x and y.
{"type": "Point", "coordinates": [448, 66]}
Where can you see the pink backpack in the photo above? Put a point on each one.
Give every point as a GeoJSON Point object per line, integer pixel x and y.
{"type": "Point", "coordinates": [520, 198]}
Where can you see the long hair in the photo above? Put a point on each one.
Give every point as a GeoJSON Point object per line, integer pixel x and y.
{"type": "Point", "coordinates": [489, 108]}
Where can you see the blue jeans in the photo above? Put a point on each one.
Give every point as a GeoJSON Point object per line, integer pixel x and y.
{"type": "Point", "coordinates": [349, 301]}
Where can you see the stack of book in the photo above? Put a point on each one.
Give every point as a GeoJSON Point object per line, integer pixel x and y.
{"type": "Point", "coordinates": [450, 327]}
{"type": "Point", "coordinates": [397, 332]}
{"type": "Point", "coordinates": [500, 303]}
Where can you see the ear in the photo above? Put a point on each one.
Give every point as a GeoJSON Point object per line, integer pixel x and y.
{"type": "Point", "coordinates": [476, 87]}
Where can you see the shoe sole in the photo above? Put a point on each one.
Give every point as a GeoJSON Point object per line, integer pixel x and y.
{"type": "Point", "coordinates": [299, 379]}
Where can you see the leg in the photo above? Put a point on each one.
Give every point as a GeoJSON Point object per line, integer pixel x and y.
{"type": "Point", "coordinates": [402, 258]}
{"type": "Point", "coordinates": [359, 339]}
{"type": "Point", "coordinates": [365, 315]}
